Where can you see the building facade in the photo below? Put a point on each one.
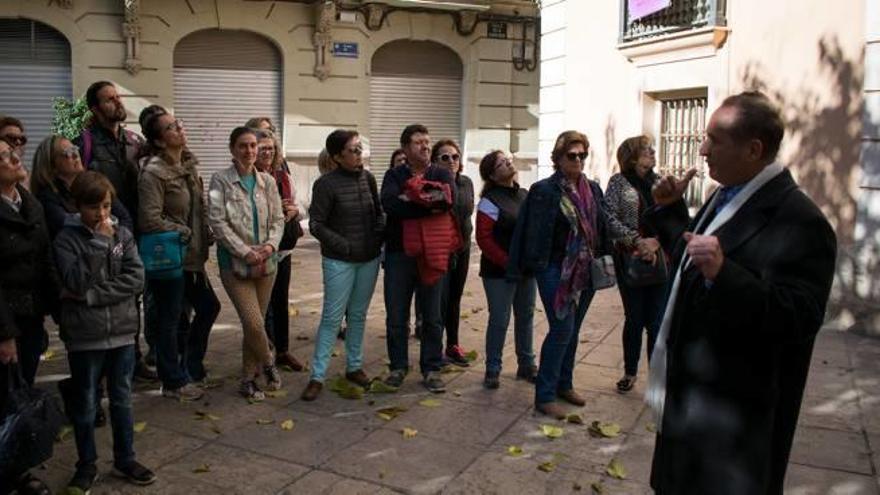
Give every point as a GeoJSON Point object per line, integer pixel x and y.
{"type": "Point", "coordinates": [616, 69]}
{"type": "Point", "coordinates": [466, 69]}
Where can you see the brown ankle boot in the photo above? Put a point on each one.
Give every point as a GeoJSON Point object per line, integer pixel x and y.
{"type": "Point", "coordinates": [572, 397]}
{"type": "Point", "coordinates": [551, 409]}
{"type": "Point", "coordinates": [313, 389]}
{"type": "Point", "coordinates": [358, 377]}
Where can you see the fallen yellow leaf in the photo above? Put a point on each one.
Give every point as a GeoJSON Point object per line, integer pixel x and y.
{"type": "Point", "coordinates": [514, 451]}
{"type": "Point", "coordinates": [287, 425]}
{"type": "Point", "coordinates": [409, 432]}
{"type": "Point", "coordinates": [380, 387]}
{"type": "Point", "coordinates": [471, 355]}
{"type": "Point", "coordinates": [275, 394]}
{"type": "Point", "coordinates": [292, 311]}
{"type": "Point", "coordinates": [598, 488]}
{"type": "Point", "coordinates": [391, 412]}
{"type": "Point", "coordinates": [574, 418]}
{"type": "Point", "coordinates": [547, 467]}
{"type": "Point", "coordinates": [139, 426]}
{"type": "Point", "coordinates": [204, 468]}
{"type": "Point", "coordinates": [606, 430]}
{"type": "Point", "coordinates": [651, 427]}
{"type": "Point", "coordinates": [615, 469]}
{"type": "Point", "coordinates": [430, 403]}
{"type": "Point", "coordinates": [265, 421]}
{"type": "Point", "coordinates": [48, 355]}
{"type": "Point", "coordinates": [63, 433]}
{"type": "Point", "coordinates": [551, 431]}
{"type": "Point", "coordinates": [203, 415]}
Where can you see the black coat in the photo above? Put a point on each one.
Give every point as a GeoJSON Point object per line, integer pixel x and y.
{"type": "Point", "coordinates": [28, 279]}
{"type": "Point", "coordinates": [346, 217]}
{"type": "Point", "coordinates": [739, 349]}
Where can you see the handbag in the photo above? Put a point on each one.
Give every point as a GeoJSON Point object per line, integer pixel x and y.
{"type": "Point", "coordinates": [639, 273]}
{"type": "Point", "coordinates": [31, 419]}
{"type": "Point", "coordinates": [241, 269]}
{"type": "Point", "coordinates": [162, 254]}
{"type": "Point", "coordinates": [602, 272]}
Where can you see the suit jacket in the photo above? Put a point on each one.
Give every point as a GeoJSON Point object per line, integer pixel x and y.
{"type": "Point", "coordinates": [739, 349]}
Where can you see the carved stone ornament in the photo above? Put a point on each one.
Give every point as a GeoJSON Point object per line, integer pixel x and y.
{"type": "Point", "coordinates": [131, 31]}
{"type": "Point", "coordinates": [64, 4]}
{"type": "Point", "coordinates": [467, 22]}
{"type": "Point", "coordinates": [374, 14]}
{"type": "Point", "coordinates": [325, 16]}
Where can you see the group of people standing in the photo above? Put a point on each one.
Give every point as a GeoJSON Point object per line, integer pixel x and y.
{"type": "Point", "coordinates": [87, 244]}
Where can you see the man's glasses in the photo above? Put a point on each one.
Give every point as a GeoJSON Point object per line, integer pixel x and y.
{"type": "Point", "coordinates": [9, 156]}
{"type": "Point", "coordinates": [70, 152]}
{"type": "Point", "coordinates": [16, 140]}
{"type": "Point", "coordinates": [447, 157]}
{"type": "Point", "coordinates": [577, 156]}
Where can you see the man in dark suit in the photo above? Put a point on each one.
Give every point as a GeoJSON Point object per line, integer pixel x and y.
{"type": "Point", "coordinates": [752, 274]}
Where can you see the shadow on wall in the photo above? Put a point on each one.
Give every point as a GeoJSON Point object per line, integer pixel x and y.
{"type": "Point", "coordinates": [824, 152]}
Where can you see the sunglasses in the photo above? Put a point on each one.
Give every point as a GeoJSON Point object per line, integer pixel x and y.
{"type": "Point", "coordinates": [177, 125]}
{"type": "Point", "coordinates": [356, 150]}
{"type": "Point", "coordinates": [9, 156]}
{"type": "Point", "coordinates": [446, 157]}
{"type": "Point", "coordinates": [576, 156]}
{"type": "Point", "coordinates": [70, 152]}
{"type": "Point", "coordinates": [16, 140]}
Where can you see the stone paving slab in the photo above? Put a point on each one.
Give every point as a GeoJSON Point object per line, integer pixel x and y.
{"type": "Point", "coordinates": [340, 446]}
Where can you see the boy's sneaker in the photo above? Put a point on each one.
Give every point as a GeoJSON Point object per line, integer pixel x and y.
{"type": "Point", "coordinates": [490, 381]}
{"type": "Point", "coordinates": [83, 479]}
{"type": "Point", "coordinates": [250, 391]}
{"type": "Point", "coordinates": [434, 383]}
{"type": "Point", "coordinates": [186, 393]}
{"type": "Point", "coordinates": [395, 378]}
{"type": "Point", "coordinates": [273, 378]}
{"type": "Point", "coordinates": [135, 473]}
{"type": "Point", "coordinates": [456, 356]}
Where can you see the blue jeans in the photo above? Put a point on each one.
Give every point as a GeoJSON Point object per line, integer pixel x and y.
{"type": "Point", "coordinates": [502, 294]}
{"type": "Point", "coordinates": [560, 344]}
{"type": "Point", "coordinates": [85, 370]}
{"type": "Point", "coordinates": [401, 280]}
{"type": "Point", "coordinates": [348, 288]}
{"type": "Point", "coordinates": [643, 307]}
{"type": "Point", "coordinates": [193, 334]}
{"type": "Point", "coordinates": [167, 307]}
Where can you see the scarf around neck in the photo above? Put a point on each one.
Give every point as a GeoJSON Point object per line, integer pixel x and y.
{"type": "Point", "coordinates": [577, 206]}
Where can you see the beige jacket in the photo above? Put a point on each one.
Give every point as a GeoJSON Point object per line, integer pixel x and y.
{"type": "Point", "coordinates": [230, 213]}
{"type": "Point", "coordinates": [171, 197]}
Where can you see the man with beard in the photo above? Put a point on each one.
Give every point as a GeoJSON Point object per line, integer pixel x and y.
{"type": "Point", "coordinates": [107, 147]}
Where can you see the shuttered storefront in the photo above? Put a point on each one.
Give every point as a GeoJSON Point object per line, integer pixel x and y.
{"type": "Point", "coordinates": [221, 79]}
{"type": "Point", "coordinates": [34, 69]}
{"type": "Point", "coordinates": [412, 82]}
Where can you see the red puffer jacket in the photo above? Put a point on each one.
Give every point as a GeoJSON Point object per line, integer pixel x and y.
{"type": "Point", "coordinates": [433, 238]}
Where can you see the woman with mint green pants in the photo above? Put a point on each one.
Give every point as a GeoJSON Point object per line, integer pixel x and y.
{"type": "Point", "coordinates": [346, 218]}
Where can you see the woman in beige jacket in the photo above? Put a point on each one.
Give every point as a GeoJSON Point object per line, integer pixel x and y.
{"type": "Point", "coordinates": [170, 198]}
{"type": "Point", "coordinates": [246, 216]}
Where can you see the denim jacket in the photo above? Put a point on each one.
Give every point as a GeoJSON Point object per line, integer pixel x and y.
{"type": "Point", "coordinates": [532, 241]}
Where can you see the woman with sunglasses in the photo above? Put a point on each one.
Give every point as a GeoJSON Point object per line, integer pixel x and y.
{"type": "Point", "coordinates": [447, 154]}
{"type": "Point", "coordinates": [171, 199]}
{"type": "Point", "coordinates": [562, 227]}
{"type": "Point", "coordinates": [497, 211]}
{"type": "Point", "coordinates": [29, 288]}
{"type": "Point", "coordinates": [627, 197]}
{"type": "Point", "coordinates": [271, 161]}
{"type": "Point", "coordinates": [346, 218]}
{"type": "Point", "coordinates": [56, 164]}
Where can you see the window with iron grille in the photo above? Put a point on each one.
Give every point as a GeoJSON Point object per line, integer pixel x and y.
{"type": "Point", "coordinates": [683, 123]}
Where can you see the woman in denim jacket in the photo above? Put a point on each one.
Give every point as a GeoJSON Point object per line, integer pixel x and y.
{"type": "Point", "coordinates": [561, 228]}
{"type": "Point", "coordinates": [246, 216]}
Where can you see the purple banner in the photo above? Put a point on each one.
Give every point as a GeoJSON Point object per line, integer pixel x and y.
{"type": "Point", "coordinates": [642, 8]}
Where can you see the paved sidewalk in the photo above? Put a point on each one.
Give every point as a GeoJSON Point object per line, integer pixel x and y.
{"type": "Point", "coordinates": [462, 444]}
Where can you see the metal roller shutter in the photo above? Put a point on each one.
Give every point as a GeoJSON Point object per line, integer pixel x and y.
{"type": "Point", "coordinates": [412, 82]}
{"type": "Point", "coordinates": [222, 79]}
{"type": "Point", "coordinates": [34, 69]}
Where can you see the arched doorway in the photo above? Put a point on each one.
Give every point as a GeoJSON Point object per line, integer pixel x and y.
{"type": "Point", "coordinates": [34, 69]}
{"type": "Point", "coordinates": [412, 82]}
{"type": "Point", "coordinates": [222, 78]}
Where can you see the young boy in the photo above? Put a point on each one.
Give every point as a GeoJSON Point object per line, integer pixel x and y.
{"type": "Point", "coordinates": [101, 274]}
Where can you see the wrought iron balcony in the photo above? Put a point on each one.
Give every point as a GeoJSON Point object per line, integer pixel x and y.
{"type": "Point", "coordinates": [680, 15]}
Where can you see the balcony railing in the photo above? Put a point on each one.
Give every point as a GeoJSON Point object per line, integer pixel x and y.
{"type": "Point", "coordinates": [681, 15]}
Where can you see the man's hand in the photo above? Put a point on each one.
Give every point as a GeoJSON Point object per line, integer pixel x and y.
{"type": "Point", "coordinates": [647, 249]}
{"type": "Point", "coordinates": [8, 352]}
{"type": "Point", "coordinates": [668, 190]}
{"type": "Point", "coordinates": [706, 255]}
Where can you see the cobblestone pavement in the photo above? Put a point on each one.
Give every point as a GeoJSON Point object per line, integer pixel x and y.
{"type": "Point", "coordinates": [464, 440]}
